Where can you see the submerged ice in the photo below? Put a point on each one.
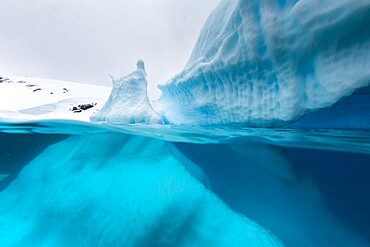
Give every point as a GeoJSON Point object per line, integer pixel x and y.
{"type": "Point", "coordinates": [265, 62]}
{"type": "Point", "coordinates": [114, 189]}
{"type": "Point", "coordinates": [267, 184]}
{"type": "Point", "coordinates": [118, 190]}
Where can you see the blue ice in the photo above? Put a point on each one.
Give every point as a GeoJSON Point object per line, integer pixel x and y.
{"type": "Point", "coordinates": [267, 63]}
{"type": "Point", "coordinates": [118, 190]}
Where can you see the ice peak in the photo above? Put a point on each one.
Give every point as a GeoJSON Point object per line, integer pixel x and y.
{"type": "Point", "coordinates": [129, 102]}
{"type": "Point", "coordinates": [140, 65]}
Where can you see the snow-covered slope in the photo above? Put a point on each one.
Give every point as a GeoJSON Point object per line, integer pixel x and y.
{"type": "Point", "coordinates": [268, 62]}
{"type": "Point", "coordinates": [23, 98]}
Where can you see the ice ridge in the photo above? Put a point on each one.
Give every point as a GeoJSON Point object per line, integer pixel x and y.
{"type": "Point", "coordinates": [266, 63]}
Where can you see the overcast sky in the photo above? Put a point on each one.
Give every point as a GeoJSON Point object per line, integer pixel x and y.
{"type": "Point", "coordinates": [86, 40]}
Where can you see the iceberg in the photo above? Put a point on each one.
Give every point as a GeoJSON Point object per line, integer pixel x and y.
{"type": "Point", "coordinates": [118, 190]}
{"type": "Point", "coordinates": [128, 101]}
{"type": "Point", "coordinates": [267, 63]}
{"type": "Point", "coordinates": [351, 112]}
{"type": "Point", "coordinates": [256, 63]}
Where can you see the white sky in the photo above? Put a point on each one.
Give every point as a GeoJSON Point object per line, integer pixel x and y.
{"type": "Point", "coordinates": [86, 40]}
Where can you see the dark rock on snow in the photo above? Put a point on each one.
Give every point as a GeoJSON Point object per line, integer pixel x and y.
{"type": "Point", "coordinates": [82, 107]}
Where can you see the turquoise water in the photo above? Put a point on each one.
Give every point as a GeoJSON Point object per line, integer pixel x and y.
{"type": "Point", "coordinates": [68, 183]}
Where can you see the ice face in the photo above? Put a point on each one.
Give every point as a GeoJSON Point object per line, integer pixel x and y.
{"type": "Point", "coordinates": [118, 190]}
{"type": "Point", "coordinates": [265, 63]}
{"type": "Point", "coordinates": [129, 102]}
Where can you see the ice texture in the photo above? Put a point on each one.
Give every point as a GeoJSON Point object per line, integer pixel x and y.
{"type": "Point", "coordinates": [118, 190]}
{"type": "Point", "coordinates": [129, 102]}
{"type": "Point", "coordinates": [265, 63]}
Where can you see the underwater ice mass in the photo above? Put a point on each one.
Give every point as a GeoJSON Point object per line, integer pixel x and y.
{"type": "Point", "coordinates": [118, 190]}
{"type": "Point", "coordinates": [159, 174]}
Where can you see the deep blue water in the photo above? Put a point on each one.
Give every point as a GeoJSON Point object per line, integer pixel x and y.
{"type": "Point", "coordinates": [74, 184]}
